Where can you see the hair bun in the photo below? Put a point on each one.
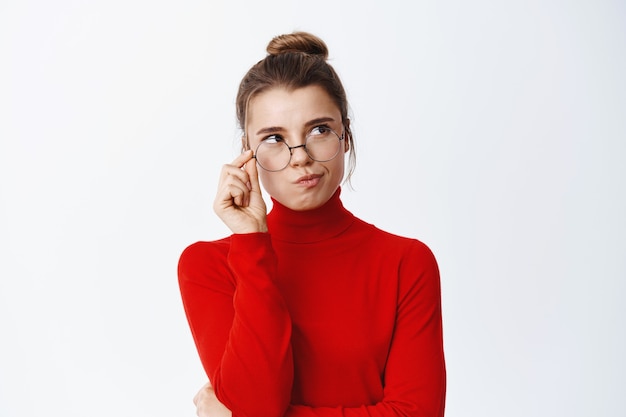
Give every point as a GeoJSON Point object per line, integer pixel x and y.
{"type": "Point", "coordinates": [295, 42]}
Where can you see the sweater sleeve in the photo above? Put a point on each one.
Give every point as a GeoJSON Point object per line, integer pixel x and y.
{"type": "Point", "coordinates": [239, 322]}
{"type": "Point", "coordinates": [414, 380]}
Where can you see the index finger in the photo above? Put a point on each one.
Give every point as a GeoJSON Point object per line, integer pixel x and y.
{"type": "Point", "coordinates": [241, 160]}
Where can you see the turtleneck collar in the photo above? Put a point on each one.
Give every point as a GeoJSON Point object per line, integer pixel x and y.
{"type": "Point", "coordinates": [309, 226]}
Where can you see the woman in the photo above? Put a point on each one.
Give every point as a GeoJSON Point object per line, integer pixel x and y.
{"type": "Point", "coordinates": [307, 310]}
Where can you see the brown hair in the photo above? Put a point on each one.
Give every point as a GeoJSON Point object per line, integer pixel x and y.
{"type": "Point", "coordinates": [294, 61]}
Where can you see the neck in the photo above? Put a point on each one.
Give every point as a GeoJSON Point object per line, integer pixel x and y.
{"type": "Point", "coordinates": [309, 226]}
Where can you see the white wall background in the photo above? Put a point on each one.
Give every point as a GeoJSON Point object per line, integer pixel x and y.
{"type": "Point", "coordinates": [495, 131]}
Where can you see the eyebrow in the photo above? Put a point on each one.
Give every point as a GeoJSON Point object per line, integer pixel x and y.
{"type": "Point", "coordinates": [275, 129]}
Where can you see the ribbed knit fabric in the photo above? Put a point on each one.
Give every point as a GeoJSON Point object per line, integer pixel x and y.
{"type": "Point", "coordinates": [324, 315]}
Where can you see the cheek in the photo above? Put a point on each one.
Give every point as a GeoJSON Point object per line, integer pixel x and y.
{"type": "Point", "coordinates": [339, 165]}
{"type": "Point", "coordinates": [264, 177]}
{"type": "Point", "coordinates": [270, 181]}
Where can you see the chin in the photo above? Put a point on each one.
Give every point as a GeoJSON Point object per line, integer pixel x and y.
{"type": "Point", "coordinates": [306, 201]}
{"type": "Point", "coordinates": [303, 204]}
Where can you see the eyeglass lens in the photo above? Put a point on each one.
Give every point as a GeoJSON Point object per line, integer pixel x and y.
{"type": "Point", "coordinates": [274, 154]}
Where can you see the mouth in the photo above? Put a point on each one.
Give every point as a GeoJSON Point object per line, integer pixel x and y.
{"type": "Point", "coordinates": [310, 180]}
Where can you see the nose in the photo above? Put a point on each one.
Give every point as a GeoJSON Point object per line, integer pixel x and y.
{"type": "Point", "coordinates": [300, 156]}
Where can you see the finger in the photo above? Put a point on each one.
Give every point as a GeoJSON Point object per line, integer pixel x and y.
{"type": "Point", "coordinates": [204, 387]}
{"type": "Point", "coordinates": [235, 177]}
{"type": "Point", "coordinates": [253, 175]}
{"type": "Point", "coordinates": [229, 171]}
{"type": "Point", "coordinates": [233, 193]}
{"type": "Point", "coordinates": [243, 158]}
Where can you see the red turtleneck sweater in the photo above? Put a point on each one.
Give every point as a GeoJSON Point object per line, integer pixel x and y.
{"type": "Point", "coordinates": [323, 316]}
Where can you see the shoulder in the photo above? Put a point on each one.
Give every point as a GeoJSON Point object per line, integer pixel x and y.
{"type": "Point", "coordinates": [409, 257]}
{"type": "Point", "coordinates": [203, 250]}
{"type": "Point", "coordinates": [202, 257]}
{"type": "Point", "coordinates": [390, 242]}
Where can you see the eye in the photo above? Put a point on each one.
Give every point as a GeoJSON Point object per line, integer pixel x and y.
{"type": "Point", "coordinates": [273, 139]}
{"type": "Point", "coordinates": [320, 130]}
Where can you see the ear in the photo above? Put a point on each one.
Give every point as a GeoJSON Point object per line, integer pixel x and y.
{"type": "Point", "coordinates": [244, 143]}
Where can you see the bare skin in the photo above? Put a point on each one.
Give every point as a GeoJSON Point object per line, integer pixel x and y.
{"type": "Point", "coordinates": [207, 403]}
{"type": "Point", "coordinates": [303, 185]}
{"type": "Point", "coordinates": [239, 203]}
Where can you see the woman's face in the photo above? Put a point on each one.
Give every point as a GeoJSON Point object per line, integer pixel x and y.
{"type": "Point", "coordinates": [289, 115]}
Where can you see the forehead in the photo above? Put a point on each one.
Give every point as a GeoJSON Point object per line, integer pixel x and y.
{"type": "Point", "coordinates": [283, 107]}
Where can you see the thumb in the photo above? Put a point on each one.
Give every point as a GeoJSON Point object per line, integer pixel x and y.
{"type": "Point", "coordinates": [253, 173]}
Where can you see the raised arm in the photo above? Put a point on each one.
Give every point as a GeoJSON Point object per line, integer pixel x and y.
{"type": "Point", "coordinates": [239, 322]}
{"type": "Point", "coordinates": [237, 316]}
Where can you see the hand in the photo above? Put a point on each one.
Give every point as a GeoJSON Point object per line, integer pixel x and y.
{"type": "Point", "coordinates": [207, 404]}
{"type": "Point", "coordinates": [239, 202]}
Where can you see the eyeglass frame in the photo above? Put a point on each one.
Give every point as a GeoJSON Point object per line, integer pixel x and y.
{"type": "Point", "coordinates": [291, 148]}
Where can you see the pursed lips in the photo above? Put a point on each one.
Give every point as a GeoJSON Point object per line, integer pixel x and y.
{"type": "Point", "coordinates": [308, 178]}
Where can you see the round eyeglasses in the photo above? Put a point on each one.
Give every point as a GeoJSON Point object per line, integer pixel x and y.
{"type": "Point", "coordinates": [321, 144]}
